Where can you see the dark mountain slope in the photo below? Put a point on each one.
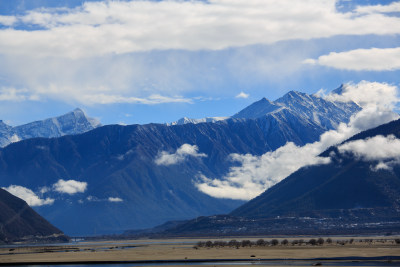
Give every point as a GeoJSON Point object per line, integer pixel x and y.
{"type": "Point", "coordinates": [19, 222]}
{"type": "Point", "coordinates": [118, 161]}
{"type": "Point", "coordinates": [346, 196]}
{"type": "Point", "coordinates": [346, 183]}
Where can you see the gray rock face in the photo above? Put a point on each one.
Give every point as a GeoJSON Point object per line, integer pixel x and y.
{"type": "Point", "coordinates": [74, 122]}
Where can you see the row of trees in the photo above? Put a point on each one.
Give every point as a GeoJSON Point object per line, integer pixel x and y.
{"type": "Point", "coordinates": [261, 243]}
{"type": "Point", "coordinates": [275, 242]}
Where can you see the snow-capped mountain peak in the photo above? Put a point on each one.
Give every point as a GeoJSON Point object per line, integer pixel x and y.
{"type": "Point", "coordinates": [311, 109]}
{"type": "Point", "coordinates": [186, 120]}
{"type": "Point", "coordinates": [258, 109]}
{"type": "Point", "coordinates": [74, 122]}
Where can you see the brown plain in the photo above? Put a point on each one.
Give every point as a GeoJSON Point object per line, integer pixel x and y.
{"type": "Point", "coordinates": [184, 249]}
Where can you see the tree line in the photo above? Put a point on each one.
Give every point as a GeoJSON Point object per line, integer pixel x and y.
{"type": "Point", "coordinates": [261, 243]}
{"type": "Point", "coordinates": [275, 242]}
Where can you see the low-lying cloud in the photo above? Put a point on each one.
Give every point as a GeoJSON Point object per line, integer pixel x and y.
{"type": "Point", "coordinates": [115, 199]}
{"type": "Point", "coordinates": [70, 186]}
{"type": "Point", "coordinates": [181, 154]}
{"type": "Point", "coordinates": [368, 95]}
{"type": "Point", "coordinates": [96, 199]}
{"type": "Point", "coordinates": [257, 173]}
{"type": "Point", "coordinates": [33, 199]}
{"type": "Point", "coordinates": [28, 196]}
{"type": "Point", "coordinates": [385, 150]}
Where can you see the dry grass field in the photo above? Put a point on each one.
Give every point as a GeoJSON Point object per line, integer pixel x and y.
{"type": "Point", "coordinates": [187, 249]}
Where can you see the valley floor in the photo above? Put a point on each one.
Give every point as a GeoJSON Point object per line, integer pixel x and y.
{"type": "Point", "coordinates": [179, 251]}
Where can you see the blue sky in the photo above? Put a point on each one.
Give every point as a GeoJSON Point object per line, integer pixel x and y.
{"type": "Point", "coordinates": [157, 61]}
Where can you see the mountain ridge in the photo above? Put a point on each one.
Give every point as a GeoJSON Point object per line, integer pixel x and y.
{"type": "Point", "coordinates": [119, 162]}
{"type": "Point", "coordinates": [19, 222]}
{"type": "Point", "coordinates": [73, 122]}
{"type": "Point", "coordinates": [326, 114]}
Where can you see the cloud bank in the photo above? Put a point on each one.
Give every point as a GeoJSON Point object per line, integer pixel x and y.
{"type": "Point", "coordinates": [155, 52]}
{"type": "Point", "coordinates": [181, 154]}
{"type": "Point", "coordinates": [117, 27]}
{"type": "Point", "coordinates": [28, 196]}
{"type": "Point", "coordinates": [257, 173]}
{"type": "Point", "coordinates": [374, 59]}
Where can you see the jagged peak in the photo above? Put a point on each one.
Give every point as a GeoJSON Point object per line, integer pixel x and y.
{"type": "Point", "coordinates": [264, 100]}
{"type": "Point", "coordinates": [78, 110]}
{"type": "Point", "coordinates": [339, 90]}
{"type": "Point", "coordinates": [293, 94]}
{"type": "Point", "coordinates": [258, 109]}
{"type": "Point", "coordinates": [79, 113]}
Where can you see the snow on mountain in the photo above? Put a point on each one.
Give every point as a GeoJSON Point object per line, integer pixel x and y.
{"type": "Point", "coordinates": [186, 120]}
{"type": "Point", "coordinates": [74, 122]}
{"type": "Point", "coordinates": [258, 109]}
{"type": "Point", "coordinates": [311, 109]}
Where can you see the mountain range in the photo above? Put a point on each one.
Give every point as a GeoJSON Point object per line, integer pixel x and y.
{"type": "Point", "coordinates": [114, 177]}
{"type": "Point", "coordinates": [74, 122]}
{"type": "Point", "coordinates": [351, 194]}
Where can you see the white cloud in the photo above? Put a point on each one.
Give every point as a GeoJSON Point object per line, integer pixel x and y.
{"type": "Point", "coordinates": [92, 198]}
{"type": "Point", "coordinates": [368, 95]}
{"type": "Point", "coordinates": [112, 99]}
{"type": "Point", "coordinates": [255, 174]}
{"type": "Point", "coordinates": [70, 186]}
{"type": "Point", "coordinates": [109, 52]}
{"type": "Point", "coordinates": [181, 154]}
{"type": "Point", "coordinates": [115, 199]}
{"type": "Point", "coordinates": [242, 95]}
{"type": "Point", "coordinates": [393, 7]}
{"type": "Point", "coordinates": [7, 20]}
{"type": "Point", "coordinates": [16, 95]}
{"type": "Point", "coordinates": [385, 150]}
{"type": "Point", "coordinates": [374, 148]}
{"type": "Point", "coordinates": [373, 59]}
{"type": "Point", "coordinates": [100, 28]}
{"type": "Point", "coordinates": [28, 195]}
{"type": "Point", "coordinates": [15, 138]}
{"type": "Point", "coordinates": [44, 190]}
